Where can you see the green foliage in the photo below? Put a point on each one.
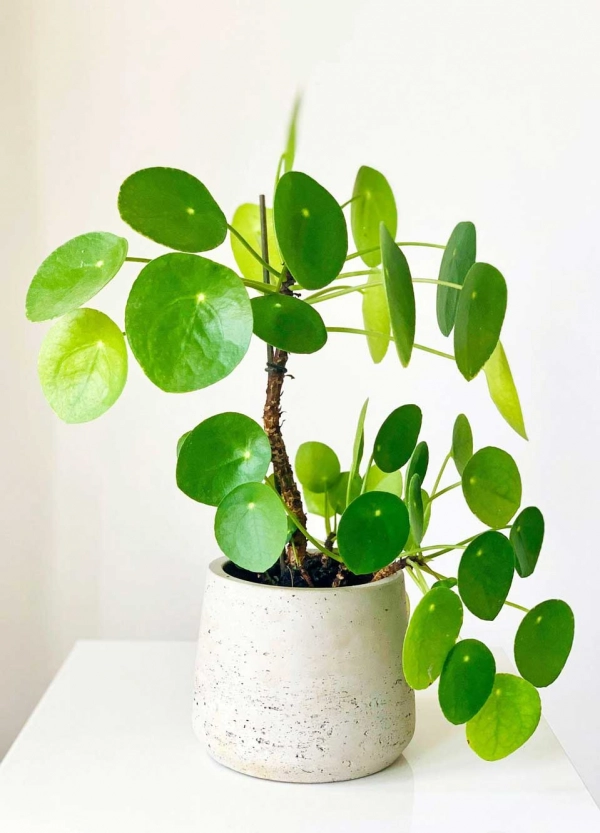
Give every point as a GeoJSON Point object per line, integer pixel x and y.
{"type": "Point", "coordinates": [416, 511]}
{"type": "Point", "coordinates": [339, 492]}
{"type": "Point", "coordinates": [373, 203]}
{"type": "Point", "coordinates": [466, 681]}
{"type": "Point", "coordinates": [288, 323]}
{"type": "Point", "coordinates": [508, 719]}
{"type": "Point", "coordinates": [318, 503]}
{"type": "Point", "coordinates": [376, 317]}
{"type": "Point", "coordinates": [222, 452]}
{"type": "Point", "coordinates": [462, 443]}
{"type": "Point", "coordinates": [479, 318]}
{"type": "Point", "coordinates": [432, 631]}
{"type": "Point", "coordinates": [527, 537]}
{"type": "Point", "coordinates": [173, 208]}
{"type": "Point", "coordinates": [188, 322]}
{"type": "Point", "coordinates": [317, 466]}
{"type": "Point", "coordinates": [289, 155]}
{"type": "Point", "coordinates": [358, 448]}
{"type": "Point", "coordinates": [485, 574]}
{"type": "Point", "coordinates": [82, 365]}
{"type": "Point", "coordinates": [503, 391]}
{"type": "Point", "coordinates": [251, 526]}
{"type": "Point", "coordinates": [246, 221]}
{"type": "Point", "coordinates": [311, 230]}
{"type": "Point", "coordinates": [372, 532]}
{"type": "Point", "coordinates": [544, 641]}
{"type": "Point", "coordinates": [379, 481]}
{"type": "Point", "coordinates": [74, 273]}
{"type": "Point", "coordinates": [418, 463]}
{"type": "Point", "coordinates": [397, 438]}
{"type": "Point", "coordinates": [491, 485]}
{"type": "Point", "coordinates": [400, 295]}
{"type": "Point", "coordinates": [458, 257]}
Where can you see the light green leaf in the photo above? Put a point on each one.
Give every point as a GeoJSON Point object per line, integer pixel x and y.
{"type": "Point", "coordinates": [491, 484]}
{"type": "Point", "coordinates": [544, 641]}
{"type": "Point", "coordinates": [503, 391]}
{"type": "Point", "coordinates": [432, 631]}
{"type": "Point", "coordinates": [311, 230]}
{"type": "Point", "coordinates": [400, 295]}
{"type": "Point", "coordinates": [339, 492]}
{"type": "Point", "coordinates": [467, 680]}
{"type": "Point", "coordinates": [397, 438]}
{"type": "Point", "coordinates": [485, 574]}
{"type": "Point", "coordinates": [246, 221]}
{"type": "Point", "coordinates": [289, 154]}
{"type": "Point", "coordinates": [415, 509]}
{"type": "Point", "coordinates": [188, 321]}
{"type": "Point", "coordinates": [458, 257]}
{"type": "Point", "coordinates": [479, 318]}
{"type": "Point", "coordinates": [527, 536]}
{"type": "Point", "coordinates": [317, 466]}
{"type": "Point", "coordinates": [74, 273]}
{"type": "Point", "coordinates": [372, 532]}
{"type": "Point", "coordinates": [357, 449]}
{"type": "Point", "coordinates": [288, 323]}
{"type": "Point", "coordinates": [173, 208]}
{"type": "Point", "coordinates": [376, 317]}
{"type": "Point", "coordinates": [251, 526]}
{"type": "Point", "coordinates": [220, 453]}
{"type": "Point", "coordinates": [373, 203]}
{"type": "Point", "coordinates": [315, 503]}
{"type": "Point", "coordinates": [82, 365]}
{"type": "Point", "coordinates": [508, 719]}
{"type": "Point", "coordinates": [379, 481]}
{"type": "Point", "coordinates": [462, 443]}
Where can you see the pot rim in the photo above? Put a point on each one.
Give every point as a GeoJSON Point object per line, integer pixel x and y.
{"type": "Point", "coordinates": [216, 569]}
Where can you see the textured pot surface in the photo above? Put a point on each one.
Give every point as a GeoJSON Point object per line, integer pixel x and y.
{"type": "Point", "coordinates": [302, 684]}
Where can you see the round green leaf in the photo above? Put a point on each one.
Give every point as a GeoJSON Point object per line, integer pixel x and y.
{"type": "Point", "coordinates": [503, 390]}
{"type": "Point", "coordinates": [544, 641]}
{"type": "Point", "coordinates": [221, 453]}
{"type": "Point", "coordinates": [74, 273]}
{"type": "Point", "coordinates": [527, 536]}
{"type": "Point", "coordinates": [400, 295]}
{"type": "Point", "coordinates": [467, 680]}
{"type": "Point", "coordinates": [491, 484]}
{"type": "Point", "coordinates": [397, 438]}
{"type": "Point", "coordinates": [317, 466]}
{"type": "Point", "coordinates": [372, 532]}
{"type": "Point", "coordinates": [317, 503]}
{"type": "Point", "coordinates": [458, 257]}
{"type": "Point", "coordinates": [508, 719]}
{"type": "Point", "coordinates": [311, 230]}
{"type": "Point", "coordinates": [485, 574]}
{"type": "Point", "coordinates": [188, 321]}
{"type": "Point", "coordinates": [181, 441]}
{"type": "Point", "coordinates": [432, 631]}
{"type": "Point", "coordinates": [246, 221]}
{"type": "Point", "coordinates": [173, 208]}
{"type": "Point", "coordinates": [373, 203]}
{"type": "Point", "coordinates": [288, 323]}
{"type": "Point", "coordinates": [339, 491]}
{"type": "Point", "coordinates": [83, 365]}
{"type": "Point", "coordinates": [418, 463]}
{"type": "Point", "coordinates": [479, 318]}
{"type": "Point", "coordinates": [251, 526]}
{"type": "Point", "coordinates": [415, 509]}
{"type": "Point", "coordinates": [379, 481]}
{"type": "Point", "coordinates": [376, 317]}
{"type": "Point", "coordinates": [462, 443]}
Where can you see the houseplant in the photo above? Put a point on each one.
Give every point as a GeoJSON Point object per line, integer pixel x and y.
{"type": "Point", "coordinates": [312, 678]}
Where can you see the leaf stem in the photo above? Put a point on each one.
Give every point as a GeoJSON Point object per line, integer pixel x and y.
{"type": "Point", "coordinates": [337, 291]}
{"type": "Point", "coordinates": [320, 545]}
{"type": "Point", "coordinates": [265, 288]}
{"type": "Point", "coordinates": [253, 252]}
{"type": "Point", "coordinates": [352, 199]}
{"type": "Point", "coordinates": [443, 491]}
{"type": "Point", "coordinates": [362, 252]}
{"type": "Point", "coordinates": [518, 607]}
{"type": "Point", "coordinates": [358, 274]}
{"type": "Point", "coordinates": [438, 479]}
{"type": "Point", "coordinates": [138, 259]}
{"type": "Point", "coordinates": [356, 331]}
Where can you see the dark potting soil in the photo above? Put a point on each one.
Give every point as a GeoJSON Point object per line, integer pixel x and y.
{"type": "Point", "coordinates": [323, 572]}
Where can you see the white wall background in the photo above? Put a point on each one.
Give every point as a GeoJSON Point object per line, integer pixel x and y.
{"type": "Point", "coordinates": [474, 109]}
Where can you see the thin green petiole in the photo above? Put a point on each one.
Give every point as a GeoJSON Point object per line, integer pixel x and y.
{"type": "Point", "coordinates": [138, 259]}
{"type": "Point", "coordinates": [443, 491]}
{"type": "Point", "coordinates": [352, 199]}
{"type": "Point", "coordinates": [359, 274]}
{"type": "Point", "coordinates": [331, 292]}
{"type": "Point", "coordinates": [518, 607]}
{"type": "Point", "coordinates": [433, 352]}
{"type": "Point", "coordinates": [265, 288]}
{"type": "Point", "coordinates": [438, 283]}
{"type": "Point", "coordinates": [314, 541]}
{"type": "Point", "coordinates": [356, 331]}
{"type": "Point", "coordinates": [362, 252]}
{"type": "Point", "coordinates": [253, 252]}
{"type": "Point", "coordinates": [438, 479]}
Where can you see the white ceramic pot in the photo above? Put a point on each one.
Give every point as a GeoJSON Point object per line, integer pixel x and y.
{"type": "Point", "coordinates": [302, 684]}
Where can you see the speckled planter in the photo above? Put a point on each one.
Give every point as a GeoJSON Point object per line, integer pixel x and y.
{"type": "Point", "coordinates": [305, 684]}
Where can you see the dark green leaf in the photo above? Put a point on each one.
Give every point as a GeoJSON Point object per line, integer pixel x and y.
{"type": "Point", "coordinates": [373, 204]}
{"type": "Point", "coordinates": [83, 365]}
{"type": "Point", "coordinates": [246, 221]}
{"type": "Point", "coordinates": [544, 641]}
{"type": "Point", "coordinates": [415, 509]}
{"type": "Point", "coordinates": [485, 574]}
{"type": "Point", "coordinates": [288, 323]}
{"type": "Point", "coordinates": [397, 438]}
{"type": "Point", "coordinates": [527, 536]}
{"type": "Point", "coordinates": [251, 526]}
{"type": "Point", "coordinates": [311, 230]}
{"type": "Point", "coordinates": [462, 443]}
{"type": "Point", "coordinates": [221, 453]}
{"type": "Point", "coordinates": [467, 680]}
{"type": "Point", "coordinates": [74, 273]}
{"type": "Point", "coordinates": [400, 295]}
{"type": "Point", "coordinates": [479, 318]}
{"type": "Point", "coordinates": [508, 719]}
{"type": "Point", "coordinates": [181, 441]}
{"type": "Point", "coordinates": [418, 463]}
{"type": "Point", "coordinates": [503, 391]}
{"type": "Point", "coordinates": [432, 631]}
{"type": "Point", "coordinates": [188, 321]}
{"type": "Point", "coordinates": [445, 582]}
{"type": "Point", "coordinates": [491, 485]}
{"type": "Point", "coordinates": [459, 256]}
{"type": "Point", "coordinates": [372, 532]}
{"type": "Point", "coordinates": [317, 466]}
{"type": "Point", "coordinates": [376, 317]}
{"type": "Point", "coordinates": [173, 208]}
{"type": "Point", "coordinates": [338, 493]}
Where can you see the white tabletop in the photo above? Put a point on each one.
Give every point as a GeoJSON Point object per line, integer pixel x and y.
{"type": "Point", "coordinates": [110, 750]}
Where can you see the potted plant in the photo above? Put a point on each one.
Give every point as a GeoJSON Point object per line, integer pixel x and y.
{"type": "Point", "coordinates": [307, 664]}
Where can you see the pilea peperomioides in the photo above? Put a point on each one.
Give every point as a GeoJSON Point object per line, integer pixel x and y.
{"type": "Point", "coordinates": [188, 322]}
